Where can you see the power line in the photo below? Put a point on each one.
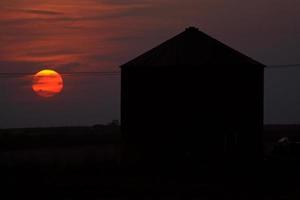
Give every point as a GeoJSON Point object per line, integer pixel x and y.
{"type": "Point", "coordinates": [95, 73]}
{"type": "Point", "coordinates": [109, 73]}
{"type": "Point", "coordinates": [284, 66]}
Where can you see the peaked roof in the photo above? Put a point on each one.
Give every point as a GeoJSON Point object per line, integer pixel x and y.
{"type": "Point", "coordinates": [193, 48]}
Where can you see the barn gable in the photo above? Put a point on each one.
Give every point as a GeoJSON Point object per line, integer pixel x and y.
{"type": "Point", "coordinates": [191, 48]}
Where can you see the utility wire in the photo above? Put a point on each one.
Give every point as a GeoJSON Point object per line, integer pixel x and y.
{"type": "Point", "coordinates": [110, 73]}
{"type": "Point", "coordinates": [283, 66]}
{"type": "Point", "coordinates": [103, 73]}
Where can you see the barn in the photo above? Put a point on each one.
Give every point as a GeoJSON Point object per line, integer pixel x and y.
{"type": "Point", "coordinates": [191, 101]}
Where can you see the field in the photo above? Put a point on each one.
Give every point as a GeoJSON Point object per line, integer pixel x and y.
{"type": "Point", "coordinates": [85, 163]}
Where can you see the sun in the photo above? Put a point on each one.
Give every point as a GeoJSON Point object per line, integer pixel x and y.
{"type": "Point", "coordinates": [47, 83]}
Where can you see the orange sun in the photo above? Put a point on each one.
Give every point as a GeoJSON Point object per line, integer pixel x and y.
{"type": "Point", "coordinates": [47, 83]}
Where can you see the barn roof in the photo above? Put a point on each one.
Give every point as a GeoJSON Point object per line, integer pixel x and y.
{"type": "Point", "coordinates": [193, 48]}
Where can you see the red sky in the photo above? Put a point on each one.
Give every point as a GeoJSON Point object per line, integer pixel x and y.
{"type": "Point", "coordinates": [100, 35]}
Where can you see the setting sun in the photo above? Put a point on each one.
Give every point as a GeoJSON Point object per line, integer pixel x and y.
{"type": "Point", "coordinates": [47, 83]}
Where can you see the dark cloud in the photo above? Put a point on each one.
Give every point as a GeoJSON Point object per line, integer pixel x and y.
{"type": "Point", "coordinates": [19, 67]}
{"type": "Point", "coordinates": [39, 12]}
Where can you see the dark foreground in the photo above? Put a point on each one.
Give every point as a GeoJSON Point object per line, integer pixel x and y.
{"type": "Point", "coordinates": [84, 163]}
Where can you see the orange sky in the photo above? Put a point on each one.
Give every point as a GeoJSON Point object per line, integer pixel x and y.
{"type": "Point", "coordinates": [97, 34]}
{"type": "Point", "coordinates": [100, 35]}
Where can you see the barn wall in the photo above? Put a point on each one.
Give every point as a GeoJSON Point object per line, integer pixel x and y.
{"type": "Point", "coordinates": [174, 114]}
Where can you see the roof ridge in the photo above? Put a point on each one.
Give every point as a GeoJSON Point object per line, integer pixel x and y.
{"type": "Point", "coordinates": [184, 49]}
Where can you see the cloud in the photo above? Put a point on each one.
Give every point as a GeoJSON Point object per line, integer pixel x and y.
{"type": "Point", "coordinates": [39, 12]}
{"type": "Point", "coordinates": [68, 11]}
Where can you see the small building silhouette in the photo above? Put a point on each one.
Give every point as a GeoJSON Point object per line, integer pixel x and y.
{"type": "Point", "coordinates": [192, 100]}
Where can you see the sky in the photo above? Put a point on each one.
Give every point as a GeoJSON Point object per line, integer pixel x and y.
{"type": "Point", "coordinates": [100, 35]}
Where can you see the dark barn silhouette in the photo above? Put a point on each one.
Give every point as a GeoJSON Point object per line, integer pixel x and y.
{"type": "Point", "coordinates": [191, 102]}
